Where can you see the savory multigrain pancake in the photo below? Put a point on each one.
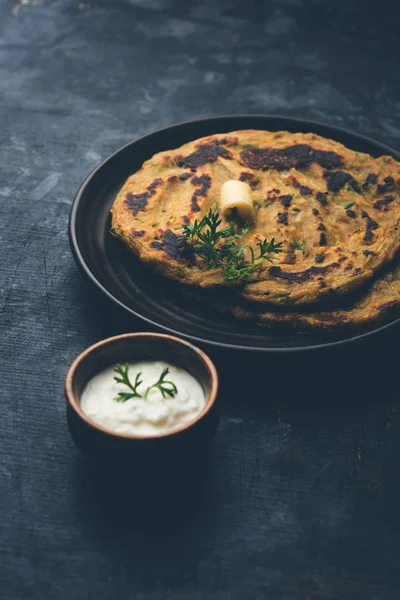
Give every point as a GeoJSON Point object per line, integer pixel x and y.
{"type": "Point", "coordinates": [336, 211]}
{"type": "Point", "coordinates": [380, 297]}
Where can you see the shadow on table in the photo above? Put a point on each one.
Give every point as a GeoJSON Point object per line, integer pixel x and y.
{"type": "Point", "coordinates": [345, 375]}
{"type": "Point", "coordinates": [146, 503]}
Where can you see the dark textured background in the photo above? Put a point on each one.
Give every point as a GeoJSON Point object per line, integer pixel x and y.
{"type": "Point", "coordinates": [300, 500]}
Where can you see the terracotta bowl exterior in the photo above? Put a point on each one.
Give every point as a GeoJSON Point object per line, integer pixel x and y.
{"type": "Point", "coordinates": [97, 442]}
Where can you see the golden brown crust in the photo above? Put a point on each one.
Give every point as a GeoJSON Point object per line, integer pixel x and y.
{"type": "Point", "coordinates": [336, 211]}
{"type": "Point", "coordinates": [371, 304]}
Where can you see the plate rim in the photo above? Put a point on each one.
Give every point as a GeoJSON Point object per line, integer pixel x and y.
{"type": "Point", "coordinates": [85, 270]}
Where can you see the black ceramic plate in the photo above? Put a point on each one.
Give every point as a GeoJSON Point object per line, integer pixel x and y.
{"type": "Point", "coordinates": [163, 303]}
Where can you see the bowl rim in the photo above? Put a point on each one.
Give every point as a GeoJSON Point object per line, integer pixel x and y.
{"type": "Point", "coordinates": [75, 404]}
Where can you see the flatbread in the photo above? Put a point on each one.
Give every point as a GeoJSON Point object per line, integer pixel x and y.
{"type": "Point", "coordinates": [336, 211]}
{"type": "Point", "coordinates": [370, 304]}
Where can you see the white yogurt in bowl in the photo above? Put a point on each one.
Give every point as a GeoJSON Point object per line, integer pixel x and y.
{"type": "Point", "coordinates": [157, 398]}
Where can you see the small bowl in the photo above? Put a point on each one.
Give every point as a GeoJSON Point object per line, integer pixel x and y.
{"type": "Point", "coordinates": [98, 442]}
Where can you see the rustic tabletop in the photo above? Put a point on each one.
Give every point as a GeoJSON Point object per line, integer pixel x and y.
{"type": "Point", "coordinates": [299, 497]}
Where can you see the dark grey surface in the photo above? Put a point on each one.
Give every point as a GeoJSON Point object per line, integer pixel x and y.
{"type": "Point", "coordinates": [300, 499]}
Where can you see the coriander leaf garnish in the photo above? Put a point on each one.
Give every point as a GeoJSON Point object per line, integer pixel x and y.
{"type": "Point", "coordinates": [167, 388]}
{"type": "Point", "coordinates": [204, 243]}
{"type": "Point", "coordinates": [298, 246]}
{"type": "Point", "coordinates": [227, 248]}
{"type": "Point", "coordinates": [124, 378]}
